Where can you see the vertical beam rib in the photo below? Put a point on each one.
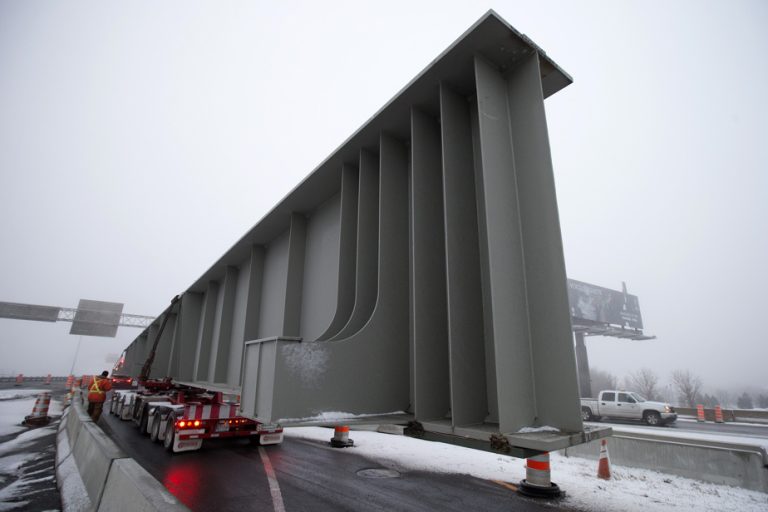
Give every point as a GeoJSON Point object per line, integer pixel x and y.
{"type": "Point", "coordinates": [506, 283]}
{"type": "Point", "coordinates": [347, 248]}
{"type": "Point", "coordinates": [428, 308]}
{"type": "Point", "coordinates": [366, 271]}
{"type": "Point", "coordinates": [220, 364]}
{"type": "Point", "coordinates": [205, 332]}
{"type": "Point", "coordinates": [189, 323]}
{"type": "Point", "coordinates": [549, 317]}
{"type": "Point", "coordinates": [469, 398]}
{"type": "Point", "coordinates": [297, 242]}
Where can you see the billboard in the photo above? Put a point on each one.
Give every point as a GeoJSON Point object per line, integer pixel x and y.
{"type": "Point", "coordinates": [603, 305]}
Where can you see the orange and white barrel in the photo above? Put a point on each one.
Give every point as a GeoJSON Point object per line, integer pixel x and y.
{"type": "Point", "coordinates": [341, 437]}
{"type": "Point", "coordinates": [19, 379]}
{"type": "Point", "coordinates": [718, 414]}
{"type": "Point", "coordinates": [700, 413]}
{"type": "Point", "coordinates": [39, 414]}
{"type": "Point", "coordinates": [70, 381]}
{"type": "Point", "coordinates": [538, 481]}
{"type": "Point", "coordinates": [48, 380]}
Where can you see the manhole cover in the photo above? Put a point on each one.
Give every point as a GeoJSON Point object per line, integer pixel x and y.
{"type": "Point", "coordinates": [378, 473]}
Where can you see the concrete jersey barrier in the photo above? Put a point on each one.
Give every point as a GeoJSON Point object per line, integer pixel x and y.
{"type": "Point", "coordinates": [739, 465]}
{"type": "Point", "coordinates": [110, 480]}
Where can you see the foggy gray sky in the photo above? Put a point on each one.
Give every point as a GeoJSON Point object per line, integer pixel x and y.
{"type": "Point", "coordinates": [140, 140]}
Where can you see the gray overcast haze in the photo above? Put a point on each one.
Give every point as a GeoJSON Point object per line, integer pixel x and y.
{"type": "Point", "coordinates": [140, 140]}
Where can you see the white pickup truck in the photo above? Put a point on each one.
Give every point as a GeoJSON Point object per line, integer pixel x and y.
{"type": "Point", "coordinates": [626, 405]}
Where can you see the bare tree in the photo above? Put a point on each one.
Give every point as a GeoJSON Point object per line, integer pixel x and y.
{"type": "Point", "coordinates": [688, 387]}
{"type": "Point", "coordinates": [645, 382]}
{"type": "Point", "coordinates": [602, 380]}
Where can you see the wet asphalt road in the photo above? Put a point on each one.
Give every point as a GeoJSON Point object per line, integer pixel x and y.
{"type": "Point", "coordinates": [228, 476]}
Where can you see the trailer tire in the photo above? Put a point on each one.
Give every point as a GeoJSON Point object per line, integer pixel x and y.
{"type": "Point", "coordinates": [143, 420]}
{"type": "Point", "coordinates": [154, 436]}
{"type": "Point", "coordinates": [170, 433]}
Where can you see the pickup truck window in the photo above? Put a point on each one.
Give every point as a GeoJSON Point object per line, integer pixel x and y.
{"type": "Point", "coordinates": [624, 397]}
{"type": "Point", "coordinates": [637, 397]}
{"type": "Point", "coordinates": [609, 397]}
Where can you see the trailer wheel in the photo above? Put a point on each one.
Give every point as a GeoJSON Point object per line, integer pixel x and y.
{"type": "Point", "coordinates": [143, 420]}
{"type": "Point", "coordinates": [154, 436]}
{"type": "Point", "coordinates": [170, 433]}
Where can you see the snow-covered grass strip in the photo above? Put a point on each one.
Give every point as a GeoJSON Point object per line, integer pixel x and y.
{"type": "Point", "coordinates": [630, 489]}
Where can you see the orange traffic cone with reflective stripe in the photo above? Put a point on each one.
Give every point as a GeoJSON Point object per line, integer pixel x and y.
{"type": "Point", "coordinates": [604, 465]}
{"type": "Point", "coordinates": [341, 437]}
{"type": "Point", "coordinates": [537, 483]}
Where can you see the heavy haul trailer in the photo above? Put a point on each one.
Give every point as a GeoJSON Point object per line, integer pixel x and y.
{"type": "Point", "coordinates": [419, 269]}
{"type": "Point", "coordinates": [181, 417]}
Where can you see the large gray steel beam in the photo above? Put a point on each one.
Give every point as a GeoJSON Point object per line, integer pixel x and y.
{"type": "Point", "coordinates": [418, 269]}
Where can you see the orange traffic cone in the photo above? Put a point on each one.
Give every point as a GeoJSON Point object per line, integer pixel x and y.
{"type": "Point", "coordinates": [604, 465]}
{"type": "Point", "coordinates": [341, 437]}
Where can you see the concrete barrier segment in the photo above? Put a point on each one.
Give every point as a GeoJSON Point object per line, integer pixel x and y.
{"type": "Point", "coordinates": [74, 497]}
{"type": "Point", "coordinates": [93, 453]}
{"type": "Point", "coordinates": [130, 488]}
{"type": "Point", "coordinates": [718, 463]}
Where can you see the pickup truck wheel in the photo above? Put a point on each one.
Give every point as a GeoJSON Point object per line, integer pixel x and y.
{"type": "Point", "coordinates": [586, 414]}
{"type": "Point", "coordinates": [653, 418]}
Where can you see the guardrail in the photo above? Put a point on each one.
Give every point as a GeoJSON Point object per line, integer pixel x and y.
{"type": "Point", "coordinates": [94, 474]}
{"type": "Point", "coordinates": [32, 379]}
{"type": "Point", "coordinates": [739, 464]}
{"type": "Point", "coordinates": [728, 414]}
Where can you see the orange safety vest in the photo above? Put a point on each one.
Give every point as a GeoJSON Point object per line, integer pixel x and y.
{"type": "Point", "coordinates": [95, 391]}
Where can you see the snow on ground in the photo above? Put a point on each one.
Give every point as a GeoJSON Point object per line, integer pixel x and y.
{"type": "Point", "coordinates": [630, 489]}
{"type": "Point", "coordinates": [14, 406]}
{"type": "Point", "coordinates": [12, 412]}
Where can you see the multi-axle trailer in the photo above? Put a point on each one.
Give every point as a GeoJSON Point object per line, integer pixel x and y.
{"type": "Point", "coordinates": [181, 417]}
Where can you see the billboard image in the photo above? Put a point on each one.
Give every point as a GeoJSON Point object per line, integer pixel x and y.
{"type": "Point", "coordinates": [603, 305]}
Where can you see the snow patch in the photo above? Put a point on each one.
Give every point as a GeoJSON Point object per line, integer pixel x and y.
{"type": "Point", "coordinates": [13, 394]}
{"type": "Point", "coordinates": [330, 417]}
{"type": "Point", "coordinates": [531, 430]}
{"type": "Point", "coordinates": [26, 438]}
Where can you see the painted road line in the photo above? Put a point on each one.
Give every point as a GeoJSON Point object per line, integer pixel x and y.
{"type": "Point", "coordinates": [511, 487]}
{"type": "Point", "coordinates": [274, 487]}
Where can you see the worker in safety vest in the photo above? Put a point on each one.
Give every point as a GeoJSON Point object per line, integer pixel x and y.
{"type": "Point", "coordinates": [97, 393]}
